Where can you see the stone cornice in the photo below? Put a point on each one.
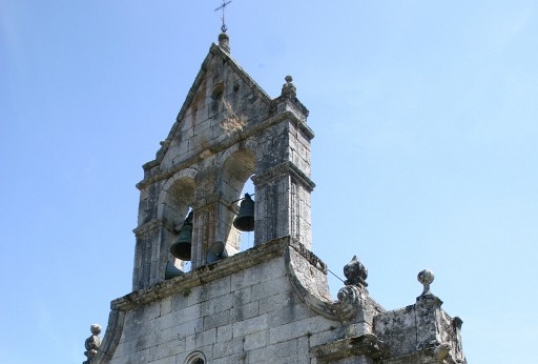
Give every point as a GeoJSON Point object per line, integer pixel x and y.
{"type": "Point", "coordinates": [151, 225]}
{"type": "Point", "coordinates": [422, 356]}
{"type": "Point", "coordinates": [202, 275]}
{"type": "Point", "coordinates": [364, 345]}
{"type": "Point", "coordinates": [207, 273]}
{"type": "Point", "coordinates": [297, 106]}
{"type": "Point", "coordinates": [282, 169]}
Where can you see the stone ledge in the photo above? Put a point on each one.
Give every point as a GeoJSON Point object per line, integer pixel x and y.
{"type": "Point", "coordinates": [423, 356]}
{"type": "Point", "coordinates": [365, 345]}
{"type": "Point", "coordinates": [202, 275]}
{"type": "Point", "coordinates": [285, 168]}
{"type": "Point", "coordinates": [293, 102]}
{"type": "Point", "coordinates": [151, 225]}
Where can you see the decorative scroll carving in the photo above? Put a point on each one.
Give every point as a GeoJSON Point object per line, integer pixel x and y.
{"type": "Point", "coordinates": [349, 295]}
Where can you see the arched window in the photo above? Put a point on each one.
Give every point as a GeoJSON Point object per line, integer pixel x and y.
{"type": "Point", "coordinates": [196, 357]}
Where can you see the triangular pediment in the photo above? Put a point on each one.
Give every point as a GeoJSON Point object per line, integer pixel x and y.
{"type": "Point", "coordinates": [222, 100]}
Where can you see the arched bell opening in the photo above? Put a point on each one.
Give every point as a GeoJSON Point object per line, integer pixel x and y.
{"type": "Point", "coordinates": [244, 220]}
{"type": "Point", "coordinates": [235, 182]}
{"type": "Point", "coordinates": [181, 247]}
{"type": "Point", "coordinates": [176, 214]}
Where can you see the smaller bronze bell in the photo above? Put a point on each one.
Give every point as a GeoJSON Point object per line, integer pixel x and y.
{"type": "Point", "coordinates": [245, 218]}
{"type": "Point", "coordinates": [181, 248]}
{"type": "Point", "coordinates": [172, 271]}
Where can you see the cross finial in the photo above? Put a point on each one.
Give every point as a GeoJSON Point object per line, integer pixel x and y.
{"type": "Point", "coordinates": [223, 7]}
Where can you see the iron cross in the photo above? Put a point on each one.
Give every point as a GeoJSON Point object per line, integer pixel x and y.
{"type": "Point", "coordinates": [223, 7]}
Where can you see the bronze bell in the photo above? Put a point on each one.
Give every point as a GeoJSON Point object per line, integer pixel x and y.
{"type": "Point", "coordinates": [181, 248]}
{"type": "Point", "coordinates": [245, 218]}
{"type": "Point", "coordinates": [172, 271]}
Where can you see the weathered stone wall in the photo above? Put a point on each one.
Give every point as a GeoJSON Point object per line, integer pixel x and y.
{"type": "Point", "coordinates": [420, 333]}
{"type": "Point", "coordinates": [269, 304]}
{"type": "Point", "coordinates": [251, 316]}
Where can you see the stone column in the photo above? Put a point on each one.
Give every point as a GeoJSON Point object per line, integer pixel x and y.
{"type": "Point", "coordinates": [212, 222]}
{"type": "Point", "coordinates": [282, 180]}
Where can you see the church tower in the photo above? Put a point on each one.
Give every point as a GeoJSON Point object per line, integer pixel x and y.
{"type": "Point", "coordinates": [269, 303]}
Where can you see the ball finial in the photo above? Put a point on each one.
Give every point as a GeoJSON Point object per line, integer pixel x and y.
{"type": "Point", "coordinates": [95, 329]}
{"type": "Point", "coordinates": [426, 277]}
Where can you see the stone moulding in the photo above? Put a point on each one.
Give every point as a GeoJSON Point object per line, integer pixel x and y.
{"type": "Point", "coordinates": [423, 356]}
{"type": "Point", "coordinates": [151, 225]}
{"type": "Point", "coordinates": [364, 345]}
{"type": "Point", "coordinates": [201, 275]}
{"type": "Point", "coordinates": [289, 167]}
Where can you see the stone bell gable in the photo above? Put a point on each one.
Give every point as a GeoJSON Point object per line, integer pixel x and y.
{"type": "Point", "coordinates": [227, 131]}
{"type": "Point", "coordinates": [269, 304]}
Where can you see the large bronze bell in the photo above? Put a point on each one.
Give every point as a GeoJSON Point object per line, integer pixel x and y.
{"type": "Point", "coordinates": [245, 219]}
{"type": "Point", "coordinates": [181, 248]}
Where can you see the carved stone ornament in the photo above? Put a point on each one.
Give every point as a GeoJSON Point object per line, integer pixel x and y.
{"type": "Point", "coordinates": [426, 277]}
{"type": "Point", "coordinates": [224, 41]}
{"type": "Point", "coordinates": [349, 295]}
{"type": "Point", "coordinates": [92, 343]}
{"type": "Point", "coordinates": [356, 273]}
{"type": "Point", "coordinates": [288, 89]}
{"type": "Point", "coordinates": [441, 351]}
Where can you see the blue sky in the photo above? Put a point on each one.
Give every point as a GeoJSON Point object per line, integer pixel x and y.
{"type": "Point", "coordinates": [425, 155]}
